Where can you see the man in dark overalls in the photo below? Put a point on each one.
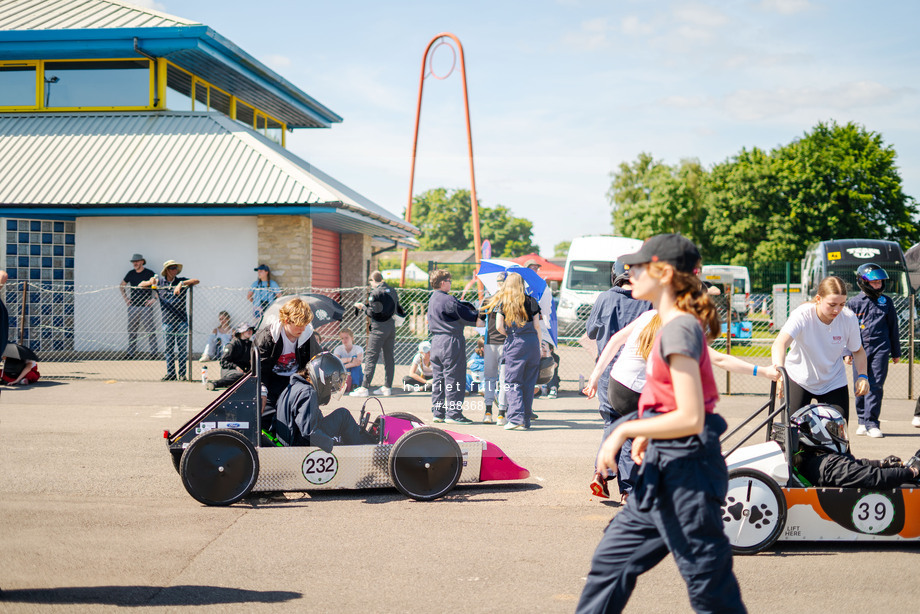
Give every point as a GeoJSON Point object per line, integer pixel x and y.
{"type": "Point", "coordinates": [878, 330]}
{"type": "Point", "coordinates": [447, 316]}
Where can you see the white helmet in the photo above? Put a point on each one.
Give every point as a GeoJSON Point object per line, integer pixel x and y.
{"type": "Point", "coordinates": [822, 427]}
{"type": "Point", "coordinates": [424, 347]}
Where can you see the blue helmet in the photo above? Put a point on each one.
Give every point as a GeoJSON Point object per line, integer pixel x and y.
{"type": "Point", "coordinates": [870, 272]}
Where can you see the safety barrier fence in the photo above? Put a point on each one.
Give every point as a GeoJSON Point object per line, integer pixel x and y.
{"type": "Point", "coordinates": [82, 333]}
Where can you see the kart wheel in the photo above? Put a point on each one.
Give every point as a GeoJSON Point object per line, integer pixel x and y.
{"type": "Point", "coordinates": [754, 513]}
{"type": "Point", "coordinates": [219, 467]}
{"type": "Point", "coordinates": [404, 416]}
{"type": "Point", "coordinates": [425, 463]}
{"type": "Point", "coordinates": [176, 458]}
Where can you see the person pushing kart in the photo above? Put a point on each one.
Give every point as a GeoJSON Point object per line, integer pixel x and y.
{"type": "Point", "coordinates": [299, 421]}
{"type": "Point", "coordinates": [824, 459]}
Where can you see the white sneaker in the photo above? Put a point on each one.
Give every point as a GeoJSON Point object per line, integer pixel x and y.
{"type": "Point", "coordinates": [358, 392]}
{"type": "Point", "coordinates": [861, 429]}
{"type": "Point", "coordinates": [915, 421]}
{"type": "Point", "coordinates": [383, 391]}
{"type": "Point", "coordinates": [875, 432]}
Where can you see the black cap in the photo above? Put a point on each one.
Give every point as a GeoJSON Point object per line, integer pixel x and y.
{"type": "Point", "coordinates": [676, 250]}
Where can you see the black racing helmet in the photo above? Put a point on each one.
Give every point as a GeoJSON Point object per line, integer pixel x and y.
{"type": "Point", "coordinates": [328, 376]}
{"type": "Point", "coordinates": [547, 368]}
{"type": "Point", "coordinates": [821, 427]}
{"type": "Point", "coordinates": [870, 272]}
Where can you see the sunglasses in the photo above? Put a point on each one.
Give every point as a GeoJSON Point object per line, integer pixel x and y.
{"type": "Point", "coordinates": [172, 268]}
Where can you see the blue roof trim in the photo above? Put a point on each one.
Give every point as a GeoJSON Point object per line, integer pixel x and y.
{"type": "Point", "coordinates": [164, 42]}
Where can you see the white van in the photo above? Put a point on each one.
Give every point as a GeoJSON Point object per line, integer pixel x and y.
{"type": "Point", "coordinates": [587, 274]}
{"type": "Point", "coordinates": [741, 286]}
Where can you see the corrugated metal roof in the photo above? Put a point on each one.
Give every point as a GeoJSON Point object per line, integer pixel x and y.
{"type": "Point", "coordinates": [80, 14]}
{"type": "Point", "coordinates": [150, 159]}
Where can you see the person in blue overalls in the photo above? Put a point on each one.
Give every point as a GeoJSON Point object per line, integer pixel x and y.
{"type": "Point", "coordinates": [518, 318]}
{"type": "Point", "coordinates": [878, 328]}
{"type": "Point", "coordinates": [676, 504]}
{"type": "Point", "coordinates": [447, 316]}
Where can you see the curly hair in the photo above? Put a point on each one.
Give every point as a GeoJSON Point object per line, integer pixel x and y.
{"type": "Point", "coordinates": [296, 312]}
{"type": "Point", "coordinates": [510, 300]}
{"type": "Point", "coordinates": [692, 298]}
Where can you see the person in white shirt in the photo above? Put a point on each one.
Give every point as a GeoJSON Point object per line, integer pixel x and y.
{"type": "Point", "coordinates": [818, 334]}
{"type": "Point", "coordinates": [351, 355]}
{"type": "Point", "coordinates": [419, 377]}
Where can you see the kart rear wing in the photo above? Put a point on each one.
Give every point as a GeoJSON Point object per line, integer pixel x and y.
{"type": "Point", "coordinates": [238, 407]}
{"type": "Point", "coordinates": [780, 431]}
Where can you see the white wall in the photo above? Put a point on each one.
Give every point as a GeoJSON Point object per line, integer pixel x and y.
{"type": "Point", "coordinates": [220, 251]}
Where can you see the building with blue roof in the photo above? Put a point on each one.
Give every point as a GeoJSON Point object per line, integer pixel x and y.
{"type": "Point", "coordinates": [126, 130]}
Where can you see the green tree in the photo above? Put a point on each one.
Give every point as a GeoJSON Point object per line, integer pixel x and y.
{"type": "Point", "coordinates": [561, 250]}
{"type": "Point", "coordinates": [834, 182]}
{"type": "Point", "coordinates": [445, 219]}
{"type": "Point", "coordinates": [649, 197]}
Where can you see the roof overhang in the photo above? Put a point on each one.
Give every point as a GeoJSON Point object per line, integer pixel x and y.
{"type": "Point", "coordinates": [196, 48]}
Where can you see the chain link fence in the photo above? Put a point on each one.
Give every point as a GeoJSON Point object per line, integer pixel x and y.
{"type": "Point", "coordinates": [82, 333]}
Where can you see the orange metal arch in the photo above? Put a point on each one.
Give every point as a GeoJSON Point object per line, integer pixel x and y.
{"type": "Point", "coordinates": [477, 242]}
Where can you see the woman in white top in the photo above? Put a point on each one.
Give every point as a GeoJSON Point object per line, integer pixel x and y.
{"type": "Point", "coordinates": [818, 334]}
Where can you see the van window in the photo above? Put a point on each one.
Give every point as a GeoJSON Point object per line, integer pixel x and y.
{"type": "Point", "coordinates": [589, 275]}
{"type": "Point", "coordinates": [896, 285]}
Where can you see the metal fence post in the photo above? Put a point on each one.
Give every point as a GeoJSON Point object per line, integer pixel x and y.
{"type": "Point", "coordinates": [189, 335]}
{"type": "Point", "coordinates": [910, 351]}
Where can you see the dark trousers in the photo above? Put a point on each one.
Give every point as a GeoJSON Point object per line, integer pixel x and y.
{"type": "Point", "coordinates": [380, 339]}
{"type": "Point", "coordinates": [522, 368]}
{"type": "Point", "coordinates": [624, 401]}
{"type": "Point", "coordinates": [448, 375]}
{"type": "Point", "coordinates": [140, 321]}
{"type": "Point", "coordinates": [799, 397]}
{"type": "Point", "coordinates": [337, 428]}
{"type": "Point", "coordinates": [869, 407]}
{"type": "Point", "coordinates": [685, 519]}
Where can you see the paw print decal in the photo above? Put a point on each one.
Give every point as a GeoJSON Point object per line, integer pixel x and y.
{"type": "Point", "coordinates": [757, 515]}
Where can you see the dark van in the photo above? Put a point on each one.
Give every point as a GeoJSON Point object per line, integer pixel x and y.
{"type": "Point", "coordinates": [842, 257]}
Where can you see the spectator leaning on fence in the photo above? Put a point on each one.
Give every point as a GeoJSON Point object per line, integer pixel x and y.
{"type": "Point", "coordinates": [140, 306]}
{"type": "Point", "coordinates": [171, 291]}
{"type": "Point", "coordinates": [262, 292]}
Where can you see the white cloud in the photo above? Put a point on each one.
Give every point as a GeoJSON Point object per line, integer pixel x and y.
{"type": "Point", "coordinates": [277, 61]}
{"type": "Point", "coordinates": [700, 15]}
{"type": "Point", "coordinates": [785, 7]}
{"type": "Point", "coordinates": [753, 105]}
{"type": "Point", "coordinates": [591, 35]}
{"type": "Point", "coordinates": [632, 26]}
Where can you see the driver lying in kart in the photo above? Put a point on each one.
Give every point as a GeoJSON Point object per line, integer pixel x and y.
{"type": "Point", "coordinates": [299, 421]}
{"type": "Point", "coordinates": [824, 459]}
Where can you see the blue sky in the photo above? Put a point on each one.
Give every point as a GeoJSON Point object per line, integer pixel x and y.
{"type": "Point", "coordinates": [561, 92]}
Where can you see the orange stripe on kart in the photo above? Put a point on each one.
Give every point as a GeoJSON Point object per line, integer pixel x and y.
{"type": "Point", "coordinates": [912, 513]}
{"type": "Point", "coordinates": [805, 496]}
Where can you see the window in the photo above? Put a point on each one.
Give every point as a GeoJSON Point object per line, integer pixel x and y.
{"type": "Point", "coordinates": [179, 90]}
{"type": "Point", "coordinates": [122, 83]}
{"type": "Point", "coordinates": [17, 85]}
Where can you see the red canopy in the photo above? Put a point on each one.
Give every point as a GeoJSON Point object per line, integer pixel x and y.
{"type": "Point", "coordinates": [548, 270]}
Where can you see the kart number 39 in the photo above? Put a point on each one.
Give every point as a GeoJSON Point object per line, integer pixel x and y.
{"type": "Point", "coordinates": [873, 513]}
{"type": "Point", "coordinates": [319, 467]}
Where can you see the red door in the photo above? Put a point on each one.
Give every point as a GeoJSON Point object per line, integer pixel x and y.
{"type": "Point", "coordinates": [327, 260]}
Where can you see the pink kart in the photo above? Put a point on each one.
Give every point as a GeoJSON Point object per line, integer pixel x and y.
{"type": "Point", "coordinates": [223, 454]}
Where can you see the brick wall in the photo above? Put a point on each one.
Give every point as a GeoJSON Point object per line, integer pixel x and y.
{"type": "Point", "coordinates": [356, 252]}
{"type": "Point", "coordinates": [285, 245]}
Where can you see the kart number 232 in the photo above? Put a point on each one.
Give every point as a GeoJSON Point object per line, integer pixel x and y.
{"type": "Point", "coordinates": [319, 467]}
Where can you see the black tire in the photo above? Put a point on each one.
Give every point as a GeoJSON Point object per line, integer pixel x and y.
{"type": "Point", "coordinates": [404, 416]}
{"type": "Point", "coordinates": [425, 463]}
{"type": "Point", "coordinates": [219, 467]}
{"type": "Point", "coordinates": [176, 458]}
{"type": "Point", "coordinates": [754, 514]}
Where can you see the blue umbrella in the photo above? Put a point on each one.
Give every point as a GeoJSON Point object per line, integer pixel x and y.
{"type": "Point", "coordinates": [534, 285]}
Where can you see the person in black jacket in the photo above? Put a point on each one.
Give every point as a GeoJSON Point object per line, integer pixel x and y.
{"type": "Point", "coordinates": [824, 458]}
{"type": "Point", "coordinates": [299, 421]}
{"type": "Point", "coordinates": [382, 305]}
{"type": "Point", "coordinates": [235, 358]}
{"type": "Point", "coordinates": [285, 347]}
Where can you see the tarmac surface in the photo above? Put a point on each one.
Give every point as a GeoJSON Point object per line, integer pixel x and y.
{"type": "Point", "coordinates": [93, 517]}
